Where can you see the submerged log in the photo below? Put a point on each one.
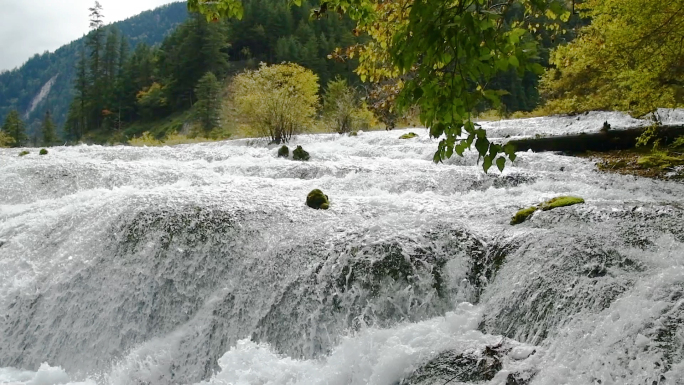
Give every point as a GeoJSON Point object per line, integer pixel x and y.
{"type": "Point", "coordinates": [616, 139]}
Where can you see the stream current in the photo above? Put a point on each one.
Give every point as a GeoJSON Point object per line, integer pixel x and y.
{"type": "Point", "coordinates": [201, 264]}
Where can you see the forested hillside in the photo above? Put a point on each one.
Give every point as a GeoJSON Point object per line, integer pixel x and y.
{"type": "Point", "coordinates": [116, 88]}
{"type": "Point", "coordinates": [20, 87]}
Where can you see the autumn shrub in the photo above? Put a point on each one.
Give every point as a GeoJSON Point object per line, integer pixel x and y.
{"type": "Point", "coordinates": [278, 100]}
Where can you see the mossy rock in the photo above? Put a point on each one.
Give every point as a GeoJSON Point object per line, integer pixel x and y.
{"type": "Point", "coordinates": [560, 202]}
{"type": "Point", "coordinates": [522, 215]}
{"type": "Point", "coordinates": [300, 154]}
{"type": "Point", "coordinates": [317, 200]}
{"type": "Point", "coordinates": [43, 151]}
{"type": "Point", "coordinates": [353, 133]}
{"type": "Point", "coordinates": [283, 152]}
{"type": "Point", "coordinates": [24, 153]}
{"type": "Point", "coordinates": [410, 135]}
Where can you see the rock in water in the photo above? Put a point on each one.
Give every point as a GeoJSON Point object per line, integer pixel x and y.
{"type": "Point", "coordinates": [300, 154]}
{"type": "Point", "coordinates": [317, 200]}
{"type": "Point", "coordinates": [410, 135]}
{"type": "Point", "coordinates": [43, 152]}
{"type": "Point", "coordinates": [451, 366]}
{"type": "Point", "coordinates": [283, 152]}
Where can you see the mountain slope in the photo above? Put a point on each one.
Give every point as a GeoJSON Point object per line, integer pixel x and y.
{"type": "Point", "coordinates": [46, 81]}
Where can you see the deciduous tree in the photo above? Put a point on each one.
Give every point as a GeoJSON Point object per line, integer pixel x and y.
{"type": "Point", "coordinates": [630, 58]}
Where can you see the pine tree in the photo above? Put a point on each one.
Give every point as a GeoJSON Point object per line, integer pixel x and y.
{"type": "Point", "coordinates": [110, 57]}
{"type": "Point", "coordinates": [95, 38]}
{"type": "Point", "coordinates": [77, 117]}
{"type": "Point", "coordinates": [14, 128]}
{"type": "Point", "coordinates": [48, 130]}
{"type": "Point", "coordinates": [208, 106]}
{"type": "Point", "coordinates": [95, 46]}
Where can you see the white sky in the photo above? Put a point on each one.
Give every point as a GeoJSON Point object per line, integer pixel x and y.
{"type": "Point", "coordinates": [30, 27]}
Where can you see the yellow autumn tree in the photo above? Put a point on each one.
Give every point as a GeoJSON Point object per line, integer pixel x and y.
{"type": "Point", "coordinates": [630, 58]}
{"type": "Point", "coordinates": [278, 100]}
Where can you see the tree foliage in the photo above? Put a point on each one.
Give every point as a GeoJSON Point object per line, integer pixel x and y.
{"type": "Point", "coordinates": [630, 58]}
{"type": "Point", "coordinates": [279, 100]}
{"type": "Point", "coordinates": [14, 128]}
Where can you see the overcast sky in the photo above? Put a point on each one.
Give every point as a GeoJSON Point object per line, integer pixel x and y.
{"type": "Point", "coordinates": [30, 27]}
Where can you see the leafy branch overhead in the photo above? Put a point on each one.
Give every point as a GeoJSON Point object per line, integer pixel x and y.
{"type": "Point", "coordinates": [442, 54]}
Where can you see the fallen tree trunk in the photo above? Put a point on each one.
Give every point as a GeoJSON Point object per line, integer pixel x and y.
{"type": "Point", "coordinates": [617, 139]}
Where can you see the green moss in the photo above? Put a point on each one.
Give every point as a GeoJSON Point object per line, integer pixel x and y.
{"type": "Point", "coordinates": [560, 202]}
{"type": "Point", "coordinates": [300, 154]}
{"type": "Point", "coordinates": [24, 153]}
{"type": "Point", "coordinates": [283, 152]}
{"type": "Point", "coordinates": [522, 215]}
{"type": "Point", "coordinates": [43, 151]}
{"type": "Point", "coordinates": [317, 200]}
{"type": "Point", "coordinates": [660, 160]}
{"type": "Point", "coordinates": [408, 136]}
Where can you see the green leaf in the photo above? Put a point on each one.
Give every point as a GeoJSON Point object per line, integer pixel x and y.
{"type": "Point", "coordinates": [514, 61]}
{"type": "Point", "coordinates": [437, 158]}
{"type": "Point", "coordinates": [482, 145]}
{"type": "Point", "coordinates": [500, 163]}
{"type": "Point", "coordinates": [487, 163]}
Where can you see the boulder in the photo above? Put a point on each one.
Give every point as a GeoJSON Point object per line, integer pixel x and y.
{"type": "Point", "coordinates": [300, 154]}
{"type": "Point", "coordinates": [317, 200]}
{"type": "Point", "coordinates": [283, 152]}
{"type": "Point", "coordinates": [24, 153]}
{"type": "Point", "coordinates": [43, 151]}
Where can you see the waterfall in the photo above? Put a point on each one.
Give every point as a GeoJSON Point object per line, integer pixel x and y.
{"type": "Point", "coordinates": [201, 264]}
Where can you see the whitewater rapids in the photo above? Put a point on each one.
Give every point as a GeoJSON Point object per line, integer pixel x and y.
{"type": "Point", "coordinates": [201, 264]}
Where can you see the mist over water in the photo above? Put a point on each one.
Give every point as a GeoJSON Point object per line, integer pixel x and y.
{"type": "Point", "coordinates": [202, 264]}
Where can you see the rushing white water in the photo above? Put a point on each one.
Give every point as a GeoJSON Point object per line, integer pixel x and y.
{"type": "Point", "coordinates": [201, 264]}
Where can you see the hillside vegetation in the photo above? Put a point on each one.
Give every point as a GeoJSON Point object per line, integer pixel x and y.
{"type": "Point", "coordinates": [19, 87]}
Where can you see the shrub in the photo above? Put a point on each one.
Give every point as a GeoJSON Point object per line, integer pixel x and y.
{"type": "Point", "coordinates": [279, 100]}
